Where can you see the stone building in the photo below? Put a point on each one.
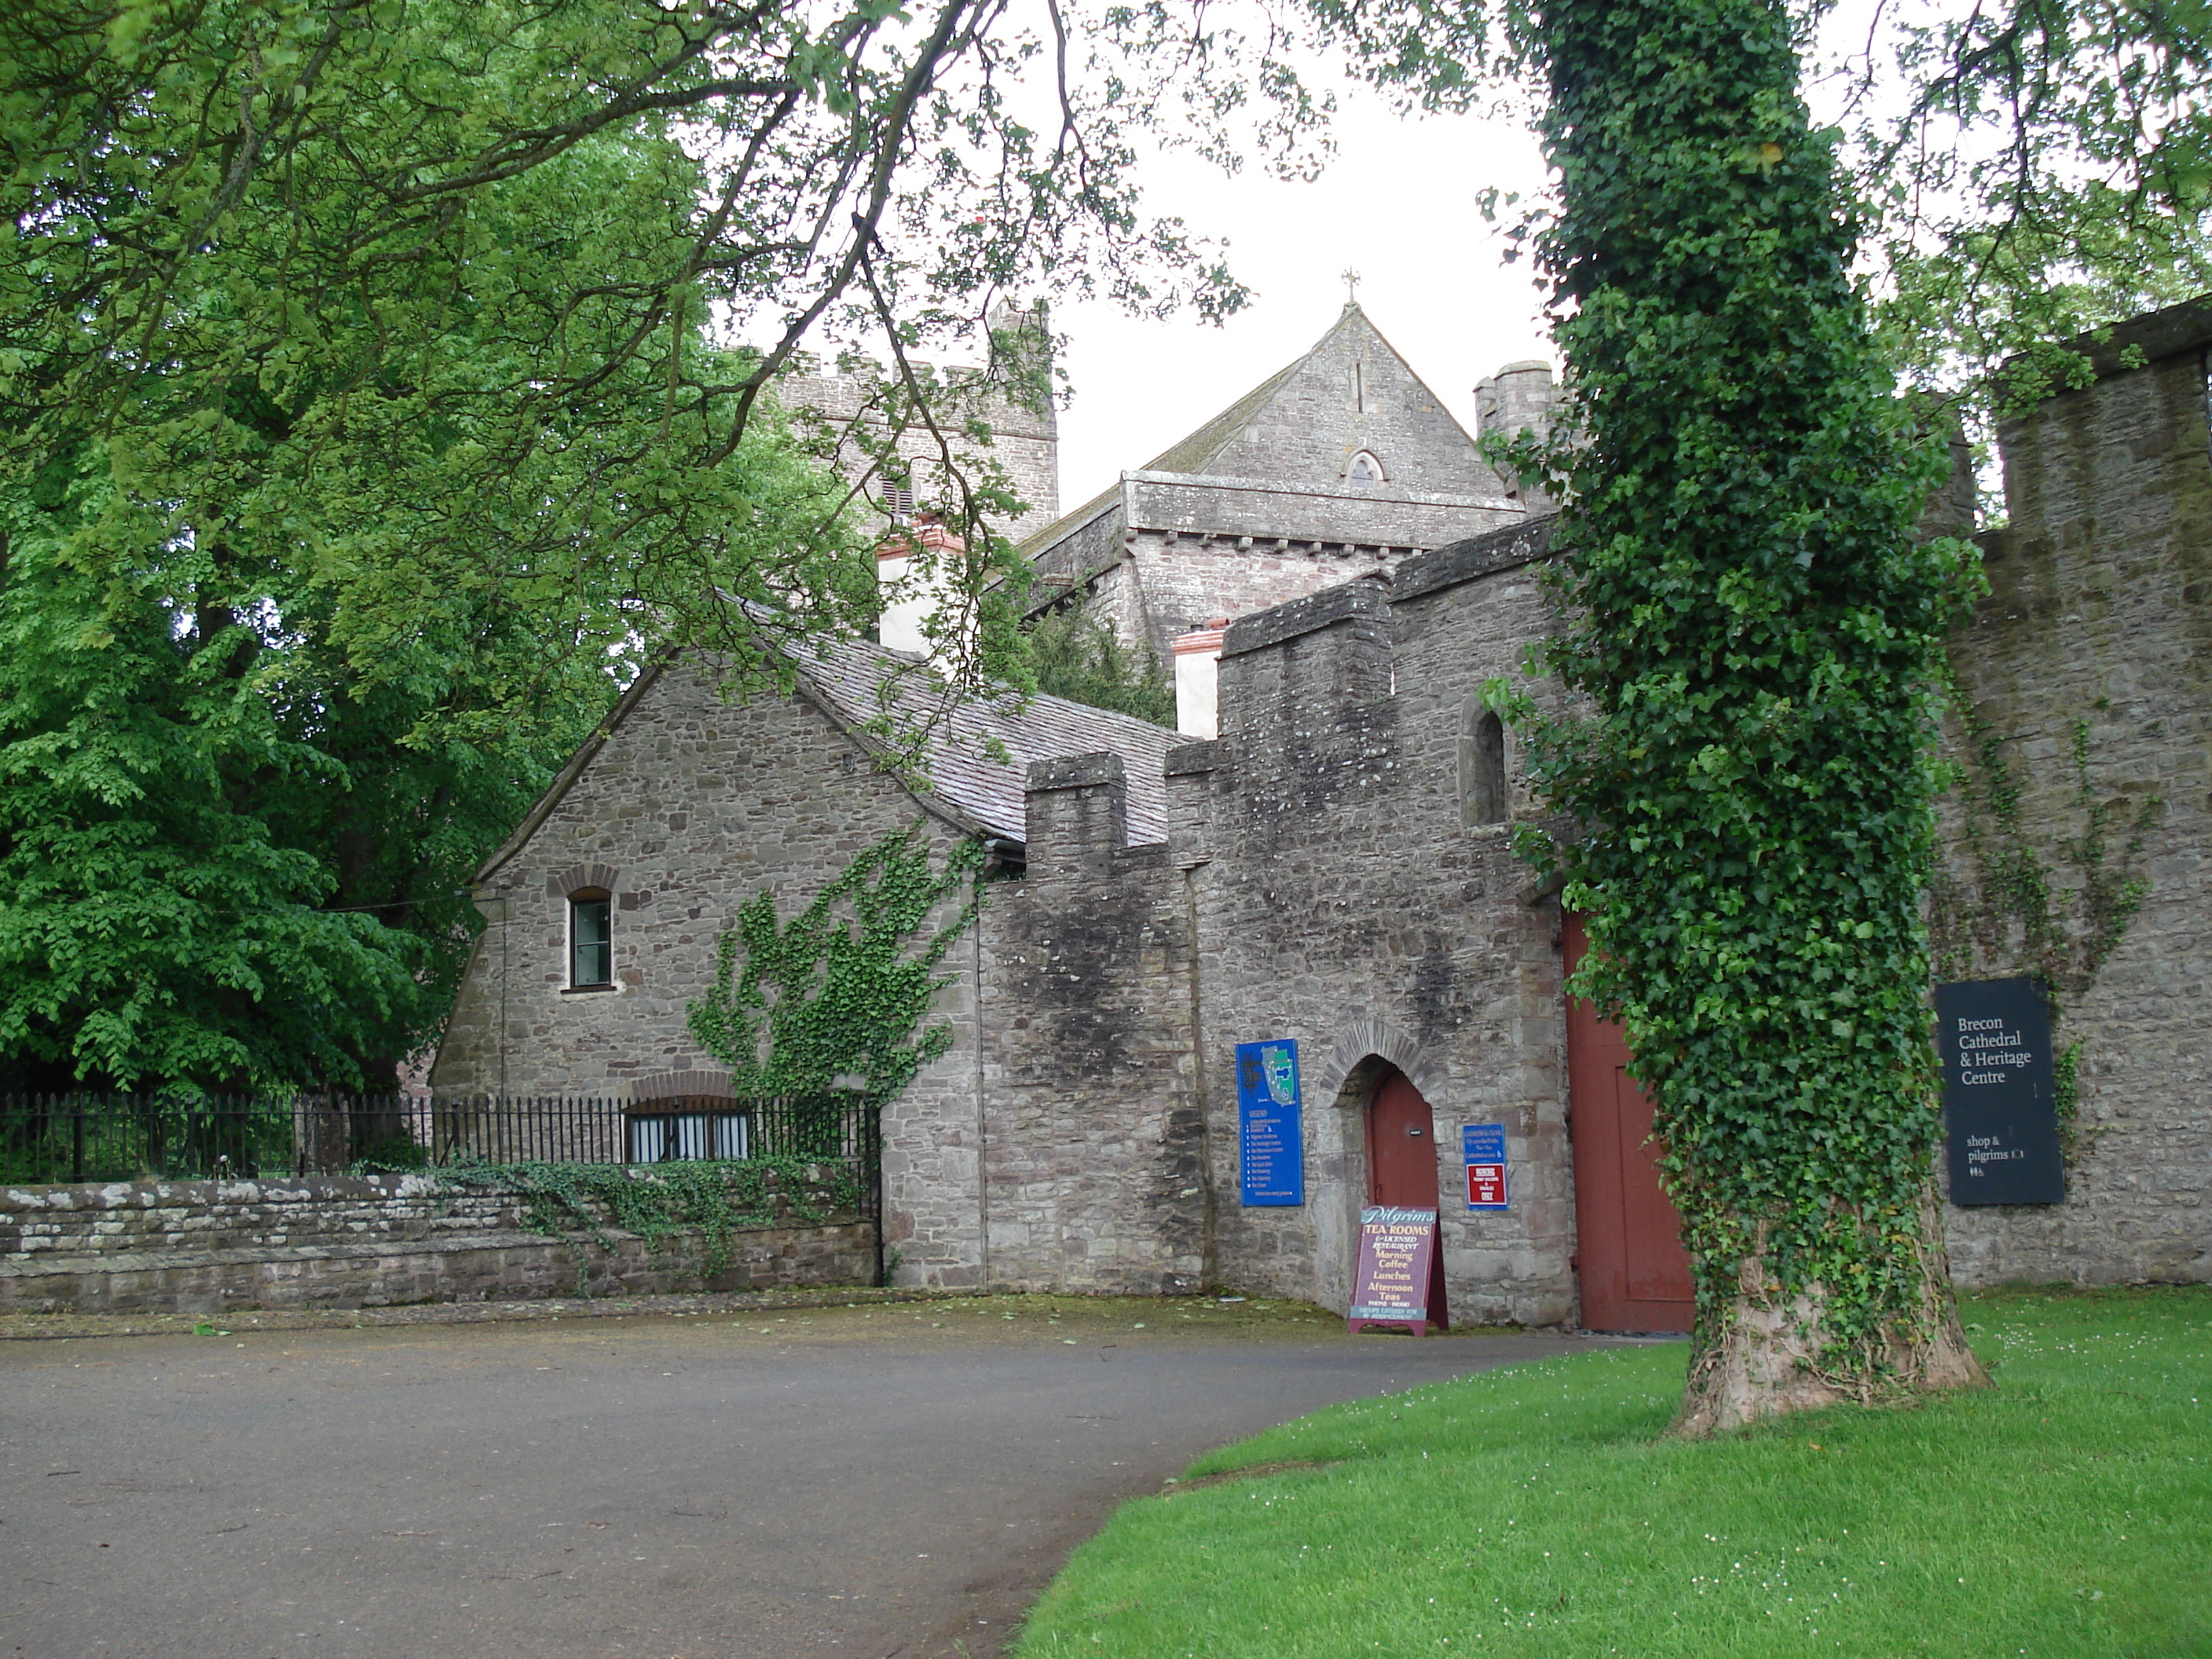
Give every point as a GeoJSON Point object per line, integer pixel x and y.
{"type": "Point", "coordinates": [1342, 464]}
{"type": "Point", "coordinates": [2100, 620]}
{"type": "Point", "coordinates": [903, 460]}
{"type": "Point", "coordinates": [1333, 869]}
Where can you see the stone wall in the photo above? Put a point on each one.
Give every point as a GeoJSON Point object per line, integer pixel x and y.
{"type": "Point", "coordinates": [216, 1247]}
{"type": "Point", "coordinates": [1343, 902]}
{"type": "Point", "coordinates": [1094, 1165]}
{"type": "Point", "coordinates": [690, 807]}
{"type": "Point", "coordinates": [2100, 612]}
{"type": "Point", "coordinates": [1353, 392]}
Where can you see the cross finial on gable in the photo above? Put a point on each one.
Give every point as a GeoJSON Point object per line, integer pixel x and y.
{"type": "Point", "coordinates": [1351, 286]}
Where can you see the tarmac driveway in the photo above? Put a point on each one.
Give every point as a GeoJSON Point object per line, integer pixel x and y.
{"type": "Point", "coordinates": [867, 1482]}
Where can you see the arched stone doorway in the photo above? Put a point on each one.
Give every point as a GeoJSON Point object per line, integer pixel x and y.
{"type": "Point", "coordinates": [1404, 1168]}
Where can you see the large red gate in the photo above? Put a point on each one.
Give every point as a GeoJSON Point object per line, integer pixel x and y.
{"type": "Point", "coordinates": [1629, 1256]}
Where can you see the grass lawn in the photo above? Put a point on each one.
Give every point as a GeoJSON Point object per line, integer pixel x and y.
{"type": "Point", "coordinates": [1536, 1512]}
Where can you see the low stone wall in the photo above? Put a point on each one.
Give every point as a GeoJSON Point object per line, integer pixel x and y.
{"type": "Point", "coordinates": [213, 1246]}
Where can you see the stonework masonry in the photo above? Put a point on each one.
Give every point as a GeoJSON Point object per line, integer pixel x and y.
{"type": "Point", "coordinates": [691, 805]}
{"type": "Point", "coordinates": [1263, 504]}
{"type": "Point", "coordinates": [2100, 612]}
{"type": "Point", "coordinates": [1023, 442]}
{"type": "Point", "coordinates": [218, 1247]}
{"type": "Point", "coordinates": [1326, 874]}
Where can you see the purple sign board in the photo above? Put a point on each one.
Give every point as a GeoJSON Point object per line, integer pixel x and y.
{"type": "Point", "coordinates": [1397, 1269]}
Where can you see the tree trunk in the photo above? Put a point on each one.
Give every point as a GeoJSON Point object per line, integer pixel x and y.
{"type": "Point", "coordinates": [1765, 1358]}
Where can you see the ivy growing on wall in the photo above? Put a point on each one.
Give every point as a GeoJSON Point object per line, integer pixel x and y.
{"type": "Point", "coordinates": [2012, 909]}
{"type": "Point", "coordinates": [1754, 638]}
{"type": "Point", "coordinates": [836, 994]}
{"type": "Point", "coordinates": [576, 1202]}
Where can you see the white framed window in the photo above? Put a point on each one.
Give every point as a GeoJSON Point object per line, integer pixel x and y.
{"type": "Point", "coordinates": [590, 938]}
{"type": "Point", "coordinates": [1365, 472]}
{"type": "Point", "coordinates": [661, 1132]}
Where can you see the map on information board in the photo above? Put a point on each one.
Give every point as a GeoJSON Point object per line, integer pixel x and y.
{"type": "Point", "coordinates": [1270, 1147]}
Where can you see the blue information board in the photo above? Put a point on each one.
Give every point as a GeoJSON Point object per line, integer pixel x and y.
{"type": "Point", "coordinates": [1482, 1150]}
{"type": "Point", "coordinates": [1271, 1150]}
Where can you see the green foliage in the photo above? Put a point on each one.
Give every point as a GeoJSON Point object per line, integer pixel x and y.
{"type": "Point", "coordinates": [1754, 642]}
{"type": "Point", "coordinates": [2006, 914]}
{"type": "Point", "coordinates": [1074, 655]}
{"type": "Point", "coordinates": [154, 926]}
{"type": "Point", "coordinates": [371, 408]}
{"type": "Point", "coordinates": [712, 1198]}
{"type": "Point", "coordinates": [2040, 167]}
{"type": "Point", "coordinates": [833, 994]}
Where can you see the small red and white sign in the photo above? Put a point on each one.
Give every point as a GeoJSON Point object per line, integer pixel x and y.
{"type": "Point", "coordinates": [1482, 1150]}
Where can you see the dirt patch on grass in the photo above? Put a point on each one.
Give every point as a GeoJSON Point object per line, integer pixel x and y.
{"type": "Point", "coordinates": [1253, 1472]}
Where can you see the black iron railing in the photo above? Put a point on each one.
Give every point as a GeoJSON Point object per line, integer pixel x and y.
{"type": "Point", "coordinates": [47, 1139]}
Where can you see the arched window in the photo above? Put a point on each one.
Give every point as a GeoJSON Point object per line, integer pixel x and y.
{"type": "Point", "coordinates": [1365, 472]}
{"type": "Point", "coordinates": [1482, 794]}
{"type": "Point", "coordinates": [590, 938]}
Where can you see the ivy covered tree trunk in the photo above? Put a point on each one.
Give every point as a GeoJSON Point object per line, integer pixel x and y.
{"type": "Point", "coordinates": [1756, 642]}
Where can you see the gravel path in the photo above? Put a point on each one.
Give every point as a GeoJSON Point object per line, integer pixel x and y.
{"type": "Point", "coordinates": [702, 1481]}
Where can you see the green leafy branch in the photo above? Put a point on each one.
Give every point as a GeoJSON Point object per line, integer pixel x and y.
{"type": "Point", "coordinates": [579, 1202]}
{"type": "Point", "coordinates": [834, 994]}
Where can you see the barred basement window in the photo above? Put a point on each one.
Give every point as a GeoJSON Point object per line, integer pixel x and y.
{"type": "Point", "coordinates": [689, 1127]}
{"type": "Point", "coordinates": [591, 939]}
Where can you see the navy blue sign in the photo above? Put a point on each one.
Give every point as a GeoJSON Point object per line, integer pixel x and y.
{"type": "Point", "coordinates": [2000, 1110]}
{"type": "Point", "coordinates": [1270, 1151]}
{"type": "Point", "coordinates": [1482, 1150]}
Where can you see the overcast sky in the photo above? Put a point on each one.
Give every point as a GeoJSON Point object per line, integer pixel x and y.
{"type": "Point", "coordinates": [1397, 205]}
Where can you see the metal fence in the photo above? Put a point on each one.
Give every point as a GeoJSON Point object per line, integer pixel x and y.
{"type": "Point", "coordinates": [91, 1137]}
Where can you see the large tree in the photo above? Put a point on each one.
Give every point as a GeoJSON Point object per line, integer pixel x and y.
{"type": "Point", "coordinates": [1752, 636]}
{"type": "Point", "coordinates": [1756, 635]}
{"type": "Point", "coordinates": [379, 383]}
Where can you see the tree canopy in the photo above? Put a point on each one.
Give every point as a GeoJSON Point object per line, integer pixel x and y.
{"type": "Point", "coordinates": [380, 382]}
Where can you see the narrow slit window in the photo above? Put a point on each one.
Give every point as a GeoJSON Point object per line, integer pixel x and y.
{"type": "Point", "coordinates": [1481, 768]}
{"type": "Point", "coordinates": [591, 939]}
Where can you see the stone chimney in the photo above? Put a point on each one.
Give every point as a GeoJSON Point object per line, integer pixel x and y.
{"type": "Point", "coordinates": [1198, 678]}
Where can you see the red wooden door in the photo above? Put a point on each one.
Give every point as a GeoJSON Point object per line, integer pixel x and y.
{"type": "Point", "coordinates": [1401, 1165]}
{"type": "Point", "coordinates": [1629, 1255]}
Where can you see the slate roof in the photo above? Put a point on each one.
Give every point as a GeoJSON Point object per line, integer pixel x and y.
{"type": "Point", "coordinates": [846, 680]}
{"type": "Point", "coordinates": [850, 679]}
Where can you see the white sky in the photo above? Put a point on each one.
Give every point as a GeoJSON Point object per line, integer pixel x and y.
{"type": "Point", "coordinates": [1397, 205]}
